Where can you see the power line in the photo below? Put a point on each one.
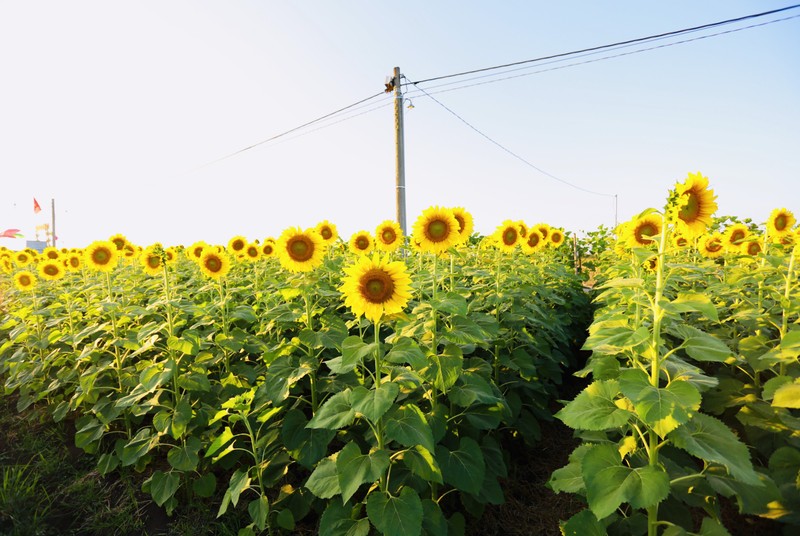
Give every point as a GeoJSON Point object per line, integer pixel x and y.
{"type": "Point", "coordinates": [612, 45]}
{"type": "Point", "coordinates": [509, 151]}
{"type": "Point", "coordinates": [585, 62]}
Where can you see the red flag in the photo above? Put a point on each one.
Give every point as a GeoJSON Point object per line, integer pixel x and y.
{"type": "Point", "coordinates": [10, 233]}
{"type": "Point", "coordinates": [36, 208]}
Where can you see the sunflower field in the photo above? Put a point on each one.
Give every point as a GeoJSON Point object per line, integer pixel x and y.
{"type": "Point", "coordinates": [357, 387]}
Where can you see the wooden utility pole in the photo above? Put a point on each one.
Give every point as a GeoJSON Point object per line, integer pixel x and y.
{"type": "Point", "coordinates": [400, 165]}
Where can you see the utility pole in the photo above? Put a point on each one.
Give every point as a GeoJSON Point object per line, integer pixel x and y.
{"type": "Point", "coordinates": [400, 165]}
{"type": "Point", "coordinates": [53, 220]}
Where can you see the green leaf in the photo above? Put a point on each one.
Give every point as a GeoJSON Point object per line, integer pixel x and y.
{"type": "Point", "coordinates": [567, 479]}
{"type": "Point", "coordinates": [584, 523]}
{"type": "Point", "coordinates": [465, 468]}
{"type": "Point", "coordinates": [407, 425]}
{"type": "Point", "coordinates": [89, 431]}
{"type": "Point", "coordinates": [609, 483]}
{"type": "Point", "coordinates": [664, 409]}
{"type": "Point", "coordinates": [163, 486]}
{"type": "Point", "coordinates": [472, 389]}
{"type": "Point", "coordinates": [422, 463]}
{"type": "Point", "coordinates": [433, 521]}
{"type": "Point", "coordinates": [138, 446]}
{"type": "Point", "coordinates": [622, 282]}
{"type": "Point", "coordinates": [354, 350]}
{"type": "Point", "coordinates": [259, 510]}
{"type": "Point", "coordinates": [194, 381]}
{"type": "Point", "coordinates": [711, 527]}
{"type": "Point", "coordinates": [188, 343]}
{"type": "Point", "coordinates": [445, 368]}
{"type": "Point", "coordinates": [156, 375]}
{"type": "Point", "coordinates": [616, 339]}
{"type": "Point", "coordinates": [709, 439]}
{"type": "Point", "coordinates": [185, 458]}
{"type": "Point", "coordinates": [205, 485]}
{"type": "Point", "coordinates": [306, 445]}
{"type": "Point", "coordinates": [219, 442]}
{"type": "Point", "coordinates": [406, 351]}
{"type": "Point", "coordinates": [396, 516]}
{"type": "Point", "coordinates": [324, 481]}
{"type": "Point", "coordinates": [450, 302]}
{"type": "Point", "coordinates": [691, 302]}
{"type": "Point", "coordinates": [790, 344]}
{"type": "Point", "coordinates": [787, 396]}
{"type": "Point", "coordinates": [240, 481]}
{"type": "Point", "coordinates": [335, 413]}
{"type": "Point", "coordinates": [107, 463]}
{"type": "Point", "coordinates": [354, 468]}
{"type": "Point", "coordinates": [704, 347]}
{"type": "Point", "coordinates": [181, 417]}
{"type": "Point", "coordinates": [373, 403]}
{"type": "Point", "coordinates": [337, 520]}
{"type": "Point", "coordinates": [594, 408]}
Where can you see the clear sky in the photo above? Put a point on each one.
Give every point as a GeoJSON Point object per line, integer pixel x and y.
{"type": "Point", "coordinates": [116, 108]}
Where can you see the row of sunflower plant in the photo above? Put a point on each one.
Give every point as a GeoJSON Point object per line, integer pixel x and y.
{"type": "Point", "coordinates": [695, 376]}
{"type": "Point", "coordinates": [302, 376]}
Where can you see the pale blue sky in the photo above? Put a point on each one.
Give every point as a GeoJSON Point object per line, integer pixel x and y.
{"type": "Point", "coordinates": [113, 108]}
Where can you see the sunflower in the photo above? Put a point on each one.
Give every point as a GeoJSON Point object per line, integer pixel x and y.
{"type": "Point", "coordinates": [523, 228]}
{"type": "Point", "coordinates": [640, 231]}
{"type": "Point", "coordinates": [73, 261]}
{"type": "Point", "coordinates": [779, 224]}
{"type": "Point", "coordinates": [268, 247]}
{"type": "Point", "coordinates": [6, 266]}
{"type": "Point", "coordinates": [533, 242]}
{"type": "Point", "coordinates": [195, 251]}
{"type": "Point", "coordinates": [252, 252]}
{"type": "Point", "coordinates": [556, 238]}
{"type": "Point", "coordinates": [388, 236]}
{"type": "Point", "coordinates": [101, 256]}
{"type": "Point", "coordinates": [327, 231]}
{"type": "Point", "coordinates": [237, 245]}
{"type": "Point", "coordinates": [375, 287]}
{"type": "Point", "coordinates": [650, 264]}
{"type": "Point", "coordinates": [712, 245]}
{"type": "Point", "coordinates": [735, 236]}
{"type": "Point", "coordinates": [151, 259]}
{"type": "Point", "coordinates": [466, 223]}
{"type": "Point", "coordinates": [507, 235]}
{"type": "Point", "coordinates": [752, 248]}
{"type": "Point", "coordinates": [436, 229]}
{"type": "Point", "coordinates": [119, 241]}
{"type": "Point", "coordinates": [680, 241]}
{"type": "Point", "coordinates": [23, 258]}
{"type": "Point", "coordinates": [543, 229]}
{"type": "Point", "coordinates": [694, 205]}
{"type": "Point", "coordinates": [51, 270]}
{"type": "Point", "coordinates": [24, 280]}
{"type": "Point", "coordinates": [171, 255]}
{"type": "Point", "coordinates": [51, 253]}
{"type": "Point", "coordinates": [214, 264]}
{"type": "Point", "coordinates": [361, 243]}
{"type": "Point", "coordinates": [300, 251]}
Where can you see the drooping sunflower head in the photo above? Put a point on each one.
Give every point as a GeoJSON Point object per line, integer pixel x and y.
{"type": "Point", "coordinates": [119, 241]}
{"type": "Point", "coordinates": [51, 270]}
{"type": "Point", "coordinates": [533, 242]}
{"type": "Point", "coordinates": [101, 256]}
{"type": "Point", "coordinates": [680, 242]}
{"type": "Point", "coordinates": [640, 232]}
{"type": "Point", "coordinates": [376, 287]}
{"type": "Point", "coordinates": [252, 252]}
{"type": "Point", "coordinates": [388, 236]}
{"type": "Point", "coordinates": [215, 264]}
{"type": "Point", "coordinates": [152, 259]}
{"type": "Point", "coordinates": [779, 224]}
{"type": "Point", "coordinates": [268, 247]}
{"type": "Point", "coordinates": [507, 236]}
{"type": "Point", "coordinates": [237, 245]}
{"type": "Point", "coordinates": [523, 228]}
{"type": "Point", "coordinates": [692, 205]}
{"type": "Point", "coordinates": [361, 243]}
{"type": "Point", "coordinates": [712, 245]}
{"type": "Point", "coordinates": [73, 261]}
{"type": "Point", "coordinates": [650, 264]}
{"type": "Point", "coordinates": [734, 236]}
{"type": "Point", "coordinates": [436, 230]}
{"type": "Point", "coordinates": [24, 280]}
{"type": "Point", "coordinates": [51, 253]}
{"type": "Point", "coordinates": [466, 223]}
{"type": "Point", "coordinates": [556, 237]}
{"type": "Point", "coordinates": [327, 231]}
{"type": "Point", "coordinates": [195, 251]}
{"type": "Point", "coordinates": [543, 228]}
{"type": "Point", "coordinates": [300, 251]}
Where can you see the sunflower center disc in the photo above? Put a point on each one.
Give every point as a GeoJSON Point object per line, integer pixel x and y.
{"type": "Point", "coordinates": [153, 262]}
{"type": "Point", "coordinates": [326, 233]}
{"type": "Point", "coordinates": [377, 286]}
{"type": "Point", "coordinates": [101, 256]}
{"type": "Point", "coordinates": [461, 224]}
{"type": "Point", "coordinates": [51, 270]}
{"type": "Point", "coordinates": [714, 246]}
{"type": "Point", "coordinates": [213, 264]}
{"type": "Point", "coordinates": [388, 236]}
{"type": "Point", "coordinates": [509, 237]}
{"type": "Point", "coordinates": [300, 250]}
{"type": "Point", "coordinates": [737, 236]}
{"type": "Point", "coordinates": [780, 222]}
{"type": "Point", "coordinates": [362, 243]}
{"type": "Point", "coordinates": [437, 230]}
{"type": "Point", "coordinates": [690, 210]}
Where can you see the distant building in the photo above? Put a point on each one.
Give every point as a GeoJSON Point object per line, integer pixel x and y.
{"type": "Point", "coordinates": [38, 245]}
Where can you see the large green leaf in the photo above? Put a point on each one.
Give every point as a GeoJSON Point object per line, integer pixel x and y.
{"type": "Point", "coordinates": [664, 409]}
{"type": "Point", "coordinates": [337, 520]}
{"type": "Point", "coordinates": [306, 445]}
{"type": "Point", "coordinates": [185, 457]}
{"type": "Point", "coordinates": [709, 439]}
{"type": "Point", "coordinates": [615, 339]}
{"type": "Point", "coordinates": [324, 481]}
{"type": "Point", "coordinates": [433, 521]}
{"type": "Point", "coordinates": [584, 523]}
{"type": "Point", "coordinates": [407, 425]}
{"type": "Point", "coordinates": [445, 368]}
{"type": "Point", "coordinates": [422, 463]}
{"type": "Point", "coordinates": [354, 350]}
{"type": "Point", "coordinates": [692, 302]}
{"type": "Point", "coordinates": [335, 413]}
{"type": "Point", "coordinates": [704, 347]}
{"type": "Point", "coordinates": [594, 408]}
{"type": "Point", "coordinates": [138, 446]}
{"type": "Point", "coordinates": [609, 483]}
{"type": "Point", "coordinates": [220, 441]}
{"type": "Point", "coordinates": [354, 468]}
{"type": "Point", "coordinates": [240, 481]}
{"type": "Point", "coordinates": [472, 389]}
{"type": "Point", "coordinates": [163, 486]}
{"type": "Point", "coordinates": [450, 302]}
{"type": "Point", "coordinates": [406, 351]}
{"type": "Point", "coordinates": [464, 468]}
{"type": "Point", "coordinates": [790, 344]}
{"type": "Point", "coordinates": [787, 396]}
{"type": "Point", "coordinates": [373, 403]}
{"type": "Point", "coordinates": [396, 516]}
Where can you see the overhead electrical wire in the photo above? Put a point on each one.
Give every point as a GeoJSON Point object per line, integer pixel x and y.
{"type": "Point", "coordinates": [506, 149]}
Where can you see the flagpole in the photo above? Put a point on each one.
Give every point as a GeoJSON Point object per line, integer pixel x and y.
{"type": "Point", "coordinates": [53, 220]}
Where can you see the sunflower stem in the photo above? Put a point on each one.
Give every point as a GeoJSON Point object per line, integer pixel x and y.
{"type": "Point", "coordinates": [786, 303]}
{"type": "Point", "coordinates": [497, 274]}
